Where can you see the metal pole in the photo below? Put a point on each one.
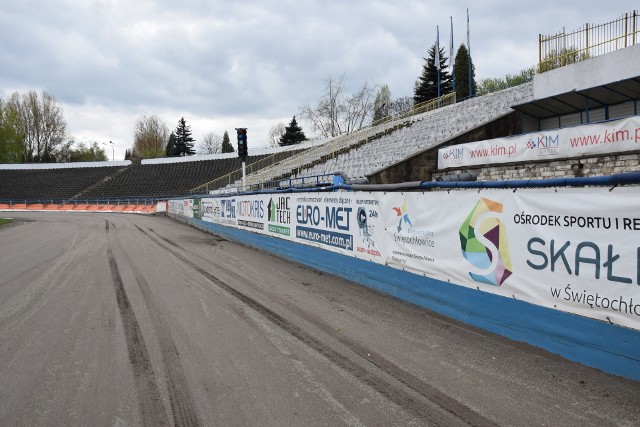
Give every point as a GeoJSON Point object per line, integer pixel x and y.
{"type": "Point", "coordinates": [469, 52]}
{"type": "Point", "coordinates": [244, 173]}
{"type": "Point", "coordinates": [626, 28]}
{"type": "Point", "coordinates": [586, 33]}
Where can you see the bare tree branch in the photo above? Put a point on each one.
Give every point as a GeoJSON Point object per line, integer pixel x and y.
{"type": "Point", "coordinates": [211, 144]}
{"type": "Point", "coordinates": [275, 133]}
{"type": "Point", "coordinates": [337, 112]}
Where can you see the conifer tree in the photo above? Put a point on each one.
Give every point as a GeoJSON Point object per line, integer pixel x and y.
{"type": "Point", "coordinates": [461, 73]}
{"type": "Point", "coordinates": [183, 140]}
{"type": "Point", "coordinates": [427, 84]}
{"type": "Point", "coordinates": [171, 146]}
{"type": "Point", "coordinates": [293, 134]}
{"type": "Point", "coordinates": [226, 144]}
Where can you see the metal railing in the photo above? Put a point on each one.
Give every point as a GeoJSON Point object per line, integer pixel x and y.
{"type": "Point", "coordinates": [564, 48]}
{"type": "Point", "coordinates": [259, 173]}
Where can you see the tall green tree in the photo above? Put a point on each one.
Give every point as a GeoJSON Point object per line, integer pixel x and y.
{"type": "Point", "coordinates": [293, 134]}
{"type": "Point", "coordinates": [226, 144]}
{"type": "Point", "coordinates": [427, 85]}
{"type": "Point", "coordinates": [150, 137]}
{"type": "Point", "coordinates": [461, 73]}
{"type": "Point", "coordinates": [172, 150]}
{"type": "Point", "coordinates": [11, 137]}
{"type": "Point", "coordinates": [184, 141]}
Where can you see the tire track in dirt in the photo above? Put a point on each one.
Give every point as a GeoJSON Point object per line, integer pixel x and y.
{"type": "Point", "coordinates": [426, 390]}
{"type": "Point", "coordinates": [151, 408]}
{"type": "Point", "coordinates": [438, 409]}
{"type": "Point", "coordinates": [182, 405]}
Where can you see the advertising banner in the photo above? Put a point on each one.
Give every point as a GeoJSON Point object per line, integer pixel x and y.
{"type": "Point", "coordinates": [175, 207]}
{"type": "Point", "coordinates": [279, 208]}
{"type": "Point", "coordinates": [602, 138]}
{"type": "Point", "coordinates": [571, 249]}
{"type": "Point", "coordinates": [556, 249]}
{"type": "Point", "coordinates": [219, 211]}
{"type": "Point", "coordinates": [187, 208]}
{"type": "Point", "coordinates": [251, 213]}
{"type": "Point", "coordinates": [325, 220]}
{"type": "Point", "coordinates": [369, 235]}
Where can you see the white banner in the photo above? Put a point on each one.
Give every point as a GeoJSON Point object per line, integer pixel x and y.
{"type": "Point", "coordinates": [603, 138]}
{"type": "Point", "coordinates": [554, 248]}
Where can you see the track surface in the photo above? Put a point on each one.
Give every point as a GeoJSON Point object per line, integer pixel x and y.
{"type": "Point", "coordinates": [117, 320]}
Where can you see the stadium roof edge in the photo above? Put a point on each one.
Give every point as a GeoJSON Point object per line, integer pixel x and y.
{"type": "Point", "coordinates": [589, 84]}
{"type": "Point", "coordinates": [73, 165]}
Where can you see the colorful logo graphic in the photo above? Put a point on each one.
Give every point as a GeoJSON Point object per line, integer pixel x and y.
{"type": "Point", "coordinates": [484, 243]}
{"type": "Point", "coordinates": [272, 210]}
{"type": "Point", "coordinates": [403, 214]}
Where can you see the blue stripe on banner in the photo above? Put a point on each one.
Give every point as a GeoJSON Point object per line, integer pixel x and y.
{"type": "Point", "coordinates": [611, 348]}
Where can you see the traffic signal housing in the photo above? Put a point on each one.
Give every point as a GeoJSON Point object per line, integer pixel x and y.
{"type": "Point", "coordinates": [242, 143]}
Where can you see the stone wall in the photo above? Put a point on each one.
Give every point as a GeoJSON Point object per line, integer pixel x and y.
{"type": "Point", "coordinates": [576, 167]}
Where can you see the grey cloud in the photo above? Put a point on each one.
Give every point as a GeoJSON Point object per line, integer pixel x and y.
{"type": "Point", "coordinates": [257, 58]}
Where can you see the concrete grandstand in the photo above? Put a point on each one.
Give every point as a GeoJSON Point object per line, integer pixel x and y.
{"type": "Point", "coordinates": [400, 149]}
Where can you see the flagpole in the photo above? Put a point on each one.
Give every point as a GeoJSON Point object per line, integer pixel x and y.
{"type": "Point", "coordinates": [437, 58]}
{"type": "Point", "coordinates": [469, 52]}
{"type": "Point", "coordinates": [453, 71]}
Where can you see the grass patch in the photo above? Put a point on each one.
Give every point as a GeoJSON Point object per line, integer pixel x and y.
{"type": "Point", "coordinates": [5, 221]}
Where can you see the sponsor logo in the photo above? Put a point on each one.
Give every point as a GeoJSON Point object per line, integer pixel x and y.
{"type": "Point", "coordinates": [401, 212]}
{"type": "Point", "coordinates": [333, 218]}
{"type": "Point", "coordinates": [279, 215]}
{"type": "Point", "coordinates": [251, 208]}
{"type": "Point", "coordinates": [366, 232]}
{"type": "Point", "coordinates": [547, 145]}
{"type": "Point", "coordinates": [228, 208]}
{"type": "Point", "coordinates": [484, 243]}
{"type": "Point", "coordinates": [453, 154]}
{"type": "Point", "coordinates": [411, 235]}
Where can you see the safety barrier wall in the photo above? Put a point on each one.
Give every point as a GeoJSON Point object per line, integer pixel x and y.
{"type": "Point", "coordinates": [556, 267]}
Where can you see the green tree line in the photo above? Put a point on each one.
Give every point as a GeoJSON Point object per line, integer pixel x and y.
{"type": "Point", "coordinates": [33, 130]}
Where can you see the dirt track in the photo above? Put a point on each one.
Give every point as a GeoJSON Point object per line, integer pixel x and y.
{"type": "Point", "coordinates": [110, 319]}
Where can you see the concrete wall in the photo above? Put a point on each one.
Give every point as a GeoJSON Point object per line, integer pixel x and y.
{"type": "Point", "coordinates": [576, 167]}
{"type": "Point", "coordinates": [611, 67]}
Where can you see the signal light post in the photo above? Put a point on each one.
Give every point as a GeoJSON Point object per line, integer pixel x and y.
{"type": "Point", "coordinates": [242, 152]}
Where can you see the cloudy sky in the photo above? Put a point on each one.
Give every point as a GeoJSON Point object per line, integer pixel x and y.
{"type": "Point", "coordinates": [222, 64]}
